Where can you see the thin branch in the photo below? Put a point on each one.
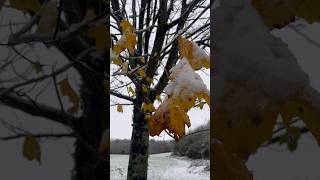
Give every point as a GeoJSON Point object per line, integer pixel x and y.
{"type": "Point", "coordinates": [37, 109]}
{"type": "Point", "coordinates": [122, 96]}
{"type": "Point", "coordinates": [44, 135]}
{"type": "Point", "coordinates": [4, 91]}
{"type": "Point", "coordinates": [58, 19]}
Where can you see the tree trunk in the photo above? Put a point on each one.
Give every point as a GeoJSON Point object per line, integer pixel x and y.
{"type": "Point", "coordinates": [91, 126]}
{"type": "Point", "coordinates": [95, 116]}
{"type": "Point", "coordinates": [138, 161]}
{"type": "Point", "coordinates": [94, 119]}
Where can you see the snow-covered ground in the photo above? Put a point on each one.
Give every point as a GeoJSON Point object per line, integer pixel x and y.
{"type": "Point", "coordinates": [163, 167]}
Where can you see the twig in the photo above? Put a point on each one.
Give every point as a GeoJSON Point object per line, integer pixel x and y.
{"type": "Point", "coordinates": [45, 135]}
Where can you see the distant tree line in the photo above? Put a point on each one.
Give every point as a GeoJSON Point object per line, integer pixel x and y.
{"type": "Point", "coordinates": [122, 146]}
{"type": "Point", "coordinates": [195, 145]}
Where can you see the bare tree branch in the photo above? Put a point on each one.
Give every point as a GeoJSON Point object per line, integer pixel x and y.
{"type": "Point", "coordinates": [122, 96]}
{"type": "Point", "coordinates": [44, 135]}
{"type": "Point", "coordinates": [37, 109]}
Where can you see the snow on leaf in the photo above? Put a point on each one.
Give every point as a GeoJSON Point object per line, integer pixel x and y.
{"type": "Point", "coordinates": [184, 81]}
{"type": "Point", "coordinates": [182, 91]}
{"type": "Point", "coordinates": [49, 14]}
{"type": "Point", "coordinates": [31, 149]}
{"type": "Point", "coordinates": [67, 90]}
{"type": "Point", "coordinates": [196, 56]}
{"type": "Point", "coordinates": [127, 40]}
{"type": "Point", "coordinates": [26, 5]}
{"type": "Point", "coordinates": [120, 108]}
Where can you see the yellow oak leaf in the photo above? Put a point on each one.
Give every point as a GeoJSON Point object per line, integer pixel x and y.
{"type": "Point", "coordinates": [178, 118]}
{"type": "Point", "coordinates": [142, 59]}
{"type": "Point", "coordinates": [243, 132]}
{"type": "Point", "coordinates": [100, 35]}
{"type": "Point", "coordinates": [145, 90]}
{"type": "Point", "coordinates": [148, 79]}
{"type": "Point", "coordinates": [205, 96]}
{"type": "Point", "coordinates": [309, 10]}
{"type": "Point", "coordinates": [305, 110]}
{"type": "Point", "coordinates": [26, 5]}
{"type": "Point", "coordinates": [124, 67]}
{"type": "Point", "coordinates": [279, 13]}
{"type": "Point", "coordinates": [49, 14]}
{"type": "Point", "coordinates": [67, 90]}
{"type": "Point", "coordinates": [127, 40]}
{"type": "Point", "coordinates": [201, 104]}
{"type": "Point", "coordinates": [130, 90]}
{"type": "Point", "coordinates": [158, 98]}
{"type": "Point", "coordinates": [31, 149]}
{"type": "Point", "coordinates": [105, 142]}
{"type": "Point", "coordinates": [120, 108]}
{"type": "Point", "coordinates": [169, 116]}
{"type": "Point", "coordinates": [227, 166]}
{"type": "Point", "coordinates": [185, 102]}
{"type": "Point", "coordinates": [37, 67]}
{"type": "Point", "coordinates": [185, 48]}
{"type": "Point", "coordinates": [147, 107]}
{"type": "Point", "coordinates": [142, 73]}
{"type": "Point", "coordinates": [196, 56]}
{"type": "Point", "coordinates": [117, 61]}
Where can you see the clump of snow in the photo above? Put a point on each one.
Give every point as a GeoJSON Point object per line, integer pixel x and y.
{"type": "Point", "coordinates": [200, 56]}
{"type": "Point", "coordinates": [184, 81]}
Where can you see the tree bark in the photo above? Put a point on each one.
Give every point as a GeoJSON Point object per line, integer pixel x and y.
{"type": "Point", "coordinates": [95, 116]}
{"type": "Point", "coordinates": [138, 161]}
{"type": "Point", "coordinates": [91, 126]}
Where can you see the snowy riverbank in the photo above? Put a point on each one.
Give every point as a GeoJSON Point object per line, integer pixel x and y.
{"type": "Point", "coordinates": [163, 167]}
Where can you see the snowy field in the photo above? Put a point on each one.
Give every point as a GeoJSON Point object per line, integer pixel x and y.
{"type": "Point", "coordinates": [163, 167]}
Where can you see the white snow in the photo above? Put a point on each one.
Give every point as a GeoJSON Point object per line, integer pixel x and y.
{"type": "Point", "coordinates": [162, 167]}
{"type": "Point", "coordinates": [184, 81]}
{"type": "Point", "coordinates": [199, 55]}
